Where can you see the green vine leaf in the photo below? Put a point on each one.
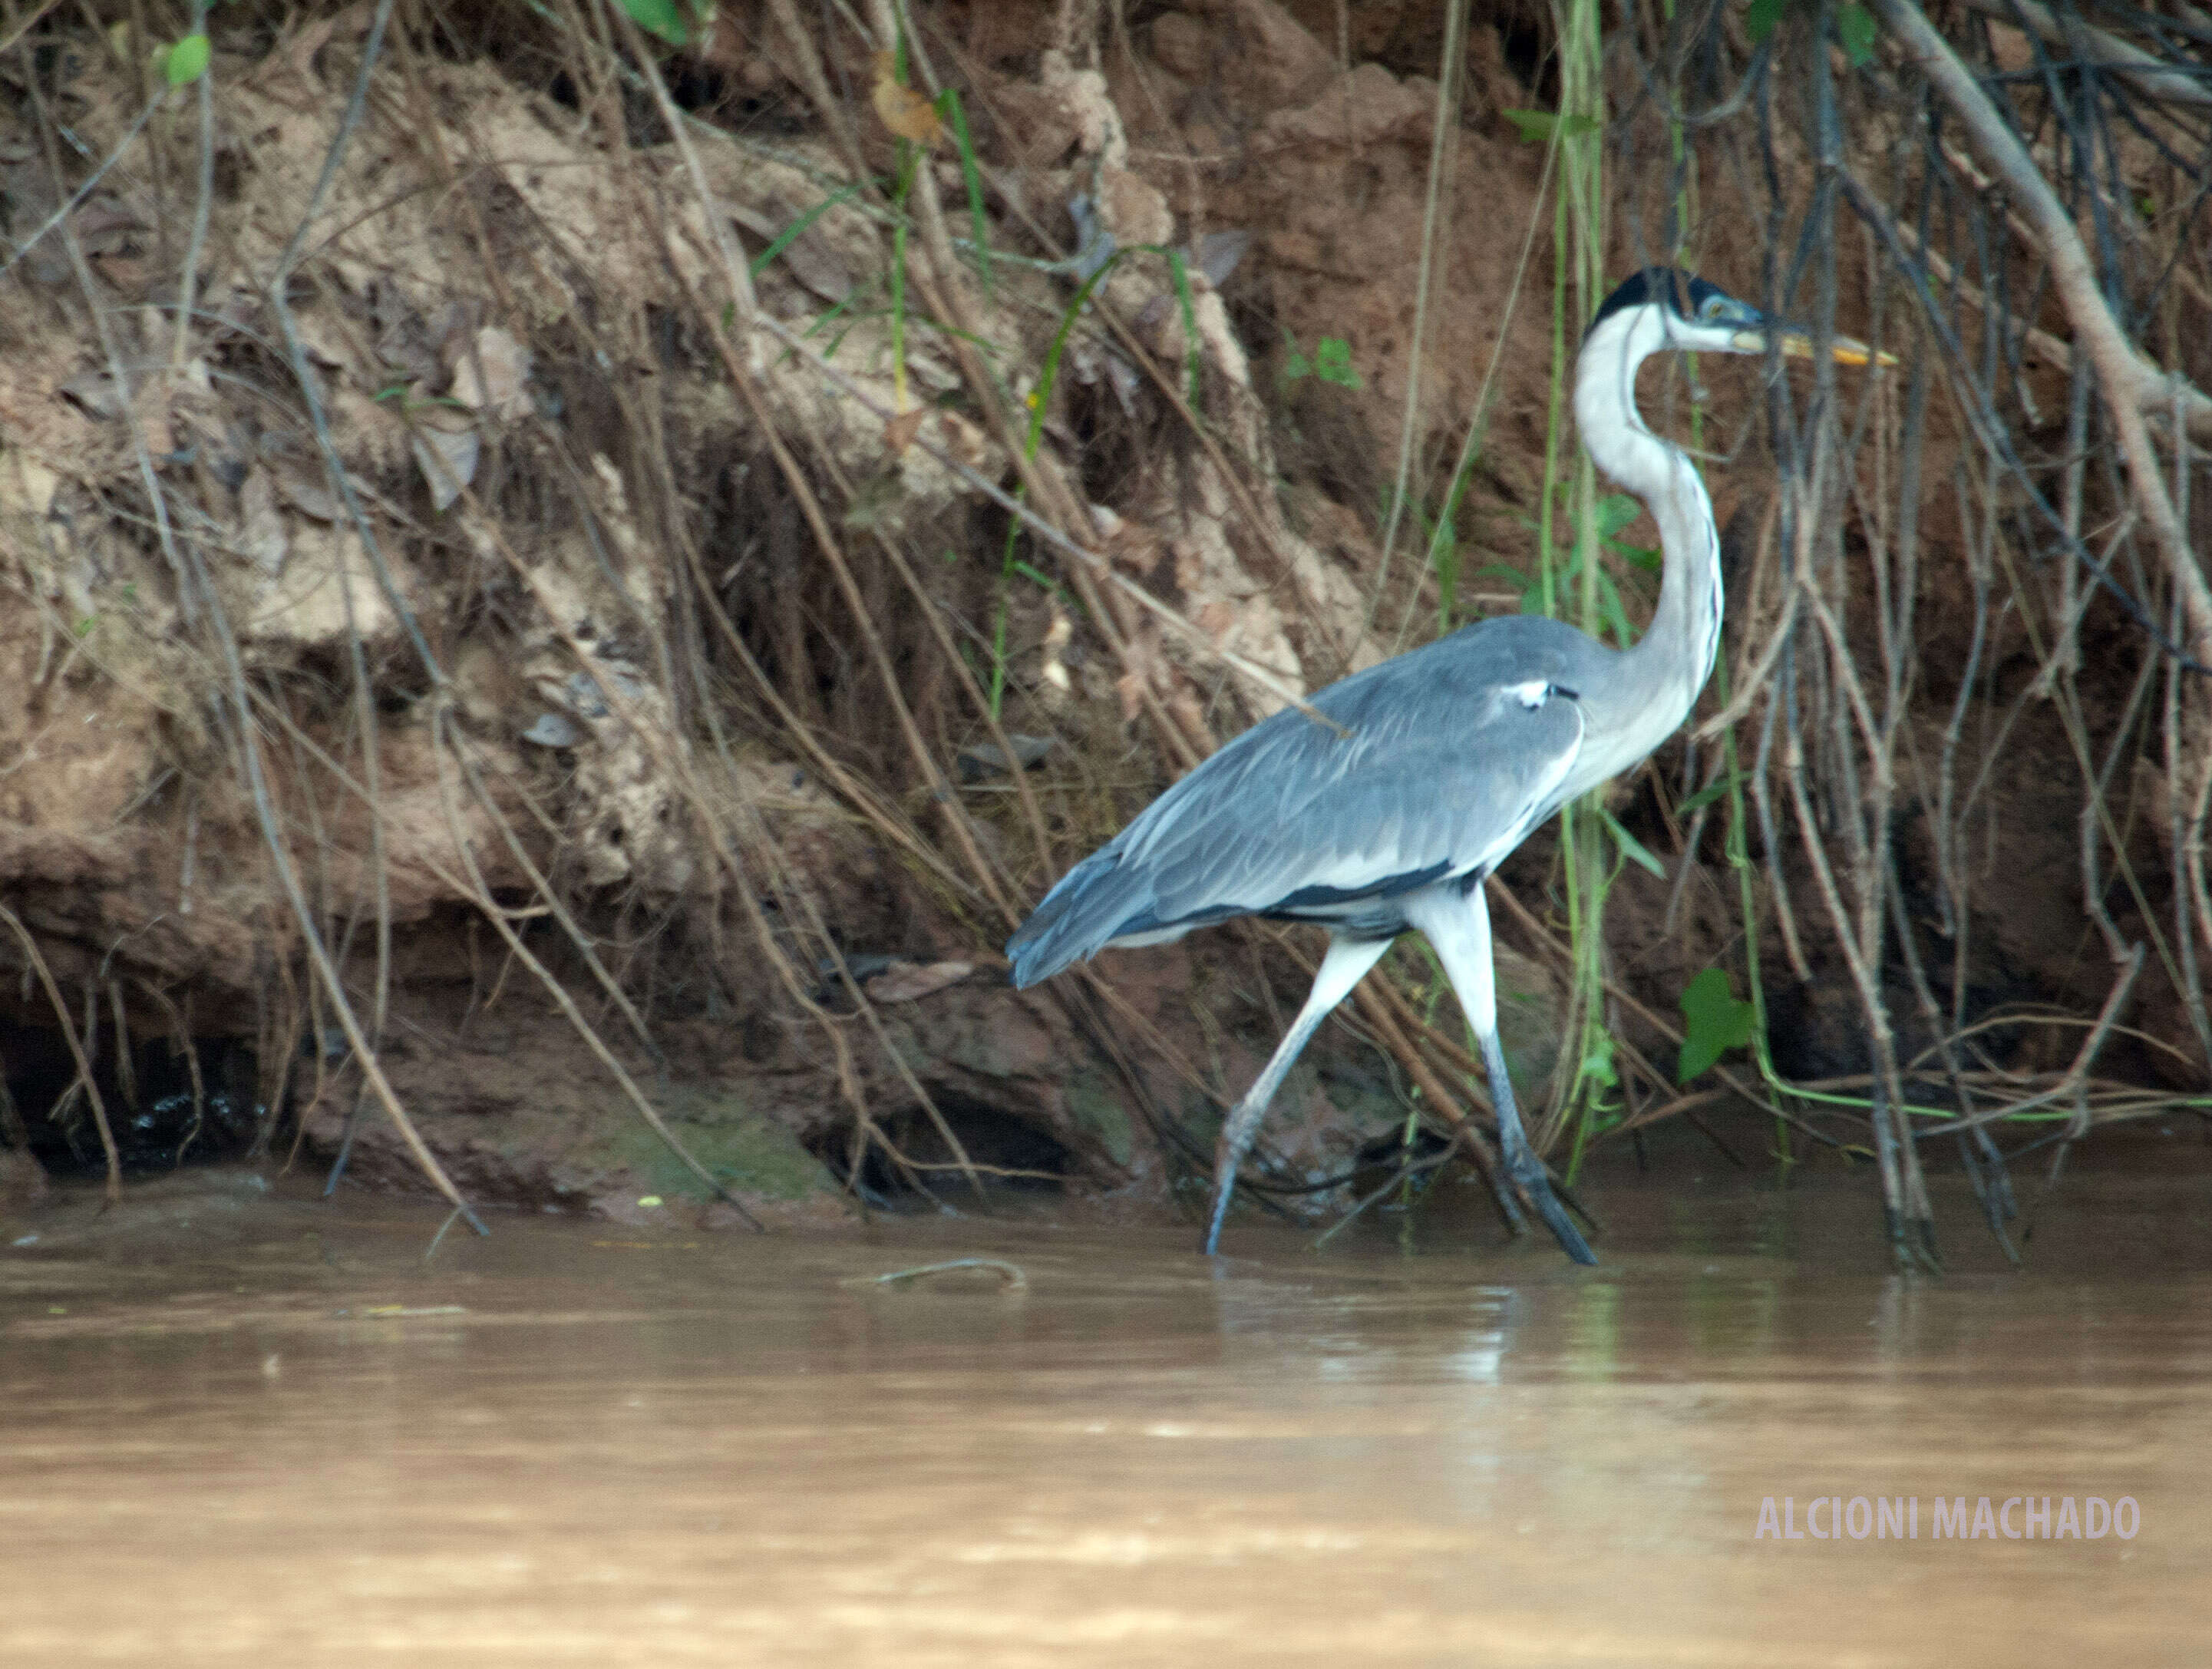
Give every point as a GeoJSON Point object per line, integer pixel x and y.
{"type": "Point", "coordinates": [187, 61]}
{"type": "Point", "coordinates": [1857, 29]}
{"type": "Point", "coordinates": [1718, 1020]}
{"type": "Point", "coordinates": [1536, 126]}
{"type": "Point", "coordinates": [658, 17]}
{"type": "Point", "coordinates": [1332, 363]}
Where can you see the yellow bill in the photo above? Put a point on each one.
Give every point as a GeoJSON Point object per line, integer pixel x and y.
{"type": "Point", "coordinates": [1798, 344]}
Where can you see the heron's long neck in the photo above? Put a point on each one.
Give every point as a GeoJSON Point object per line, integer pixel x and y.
{"type": "Point", "coordinates": [1668, 666]}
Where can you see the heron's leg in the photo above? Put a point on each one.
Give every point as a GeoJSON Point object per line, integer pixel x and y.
{"type": "Point", "coordinates": [1343, 967]}
{"type": "Point", "coordinates": [1458, 925]}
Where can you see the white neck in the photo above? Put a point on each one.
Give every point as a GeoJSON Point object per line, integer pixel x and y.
{"type": "Point", "coordinates": [1670, 664]}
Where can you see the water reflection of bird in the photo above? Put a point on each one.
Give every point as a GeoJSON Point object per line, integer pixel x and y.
{"type": "Point", "coordinates": [1435, 764]}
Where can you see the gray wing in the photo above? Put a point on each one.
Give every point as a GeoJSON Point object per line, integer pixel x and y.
{"type": "Point", "coordinates": [1455, 753]}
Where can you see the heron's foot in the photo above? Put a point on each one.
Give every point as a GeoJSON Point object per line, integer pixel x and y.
{"type": "Point", "coordinates": [1492, 1172]}
{"type": "Point", "coordinates": [1913, 1243]}
{"type": "Point", "coordinates": [1570, 1237]}
{"type": "Point", "coordinates": [1210, 1242]}
{"type": "Point", "coordinates": [1509, 1204]}
{"type": "Point", "coordinates": [1537, 1185]}
{"type": "Point", "coordinates": [1224, 1189]}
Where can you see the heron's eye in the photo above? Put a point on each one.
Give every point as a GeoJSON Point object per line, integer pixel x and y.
{"type": "Point", "coordinates": [1714, 307]}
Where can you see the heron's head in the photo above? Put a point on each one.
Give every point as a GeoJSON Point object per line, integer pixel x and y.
{"type": "Point", "coordinates": [1660, 309]}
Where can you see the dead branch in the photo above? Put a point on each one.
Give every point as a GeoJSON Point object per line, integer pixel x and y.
{"type": "Point", "coordinates": [2132, 384]}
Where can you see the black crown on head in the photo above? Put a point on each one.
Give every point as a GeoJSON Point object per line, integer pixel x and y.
{"type": "Point", "coordinates": [1682, 292]}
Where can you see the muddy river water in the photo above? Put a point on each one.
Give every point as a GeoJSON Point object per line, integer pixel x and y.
{"type": "Point", "coordinates": [240, 1426]}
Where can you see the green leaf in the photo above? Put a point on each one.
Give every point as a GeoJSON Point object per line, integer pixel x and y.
{"type": "Point", "coordinates": [658, 17]}
{"type": "Point", "coordinates": [1705, 795]}
{"type": "Point", "coordinates": [187, 61]}
{"type": "Point", "coordinates": [1609, 602]}
{"type": "Point", "coordinates": [1193, 383]}
{"type": "Point", "coordinates": [1761, 17]}
{"type": "Point", "coordinates": [1614, 512]}
{"type": "Point", "coordinates": [1597, 1064]}
{"type": "Point", "coordinates": [1856, 28]}
{"type": "Point", "coordinates": [1718, 1019]}
{"type": "Point", "coordinates": [793, 232]}
{"type": "Point", "coordinates": [1632, 849]}
{"type": "Point", "coordinates": [1333, 362]}
{"type": "Point", "coordinates": [1536, 126]}
{"type": "Point", "coordinates": [955, 117]}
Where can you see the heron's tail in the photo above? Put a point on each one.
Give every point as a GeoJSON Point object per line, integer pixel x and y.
{"type": "Point", "coordinates": [1091, 904]}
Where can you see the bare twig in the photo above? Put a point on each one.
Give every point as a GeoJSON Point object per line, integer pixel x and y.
{"type": "Point", "coordinates": [84, 1073]}
{"type": "Point", "coordinates": [2131, 384]}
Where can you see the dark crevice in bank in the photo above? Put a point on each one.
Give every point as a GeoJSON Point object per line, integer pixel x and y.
{"type": "Point", "coordinates": [1008, 1153]}
{"type": "Point", "coordinates": [161, 1111]}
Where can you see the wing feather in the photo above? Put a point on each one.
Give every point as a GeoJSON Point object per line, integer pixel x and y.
{"type": "Point", "coordinates": [1452, 755]}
